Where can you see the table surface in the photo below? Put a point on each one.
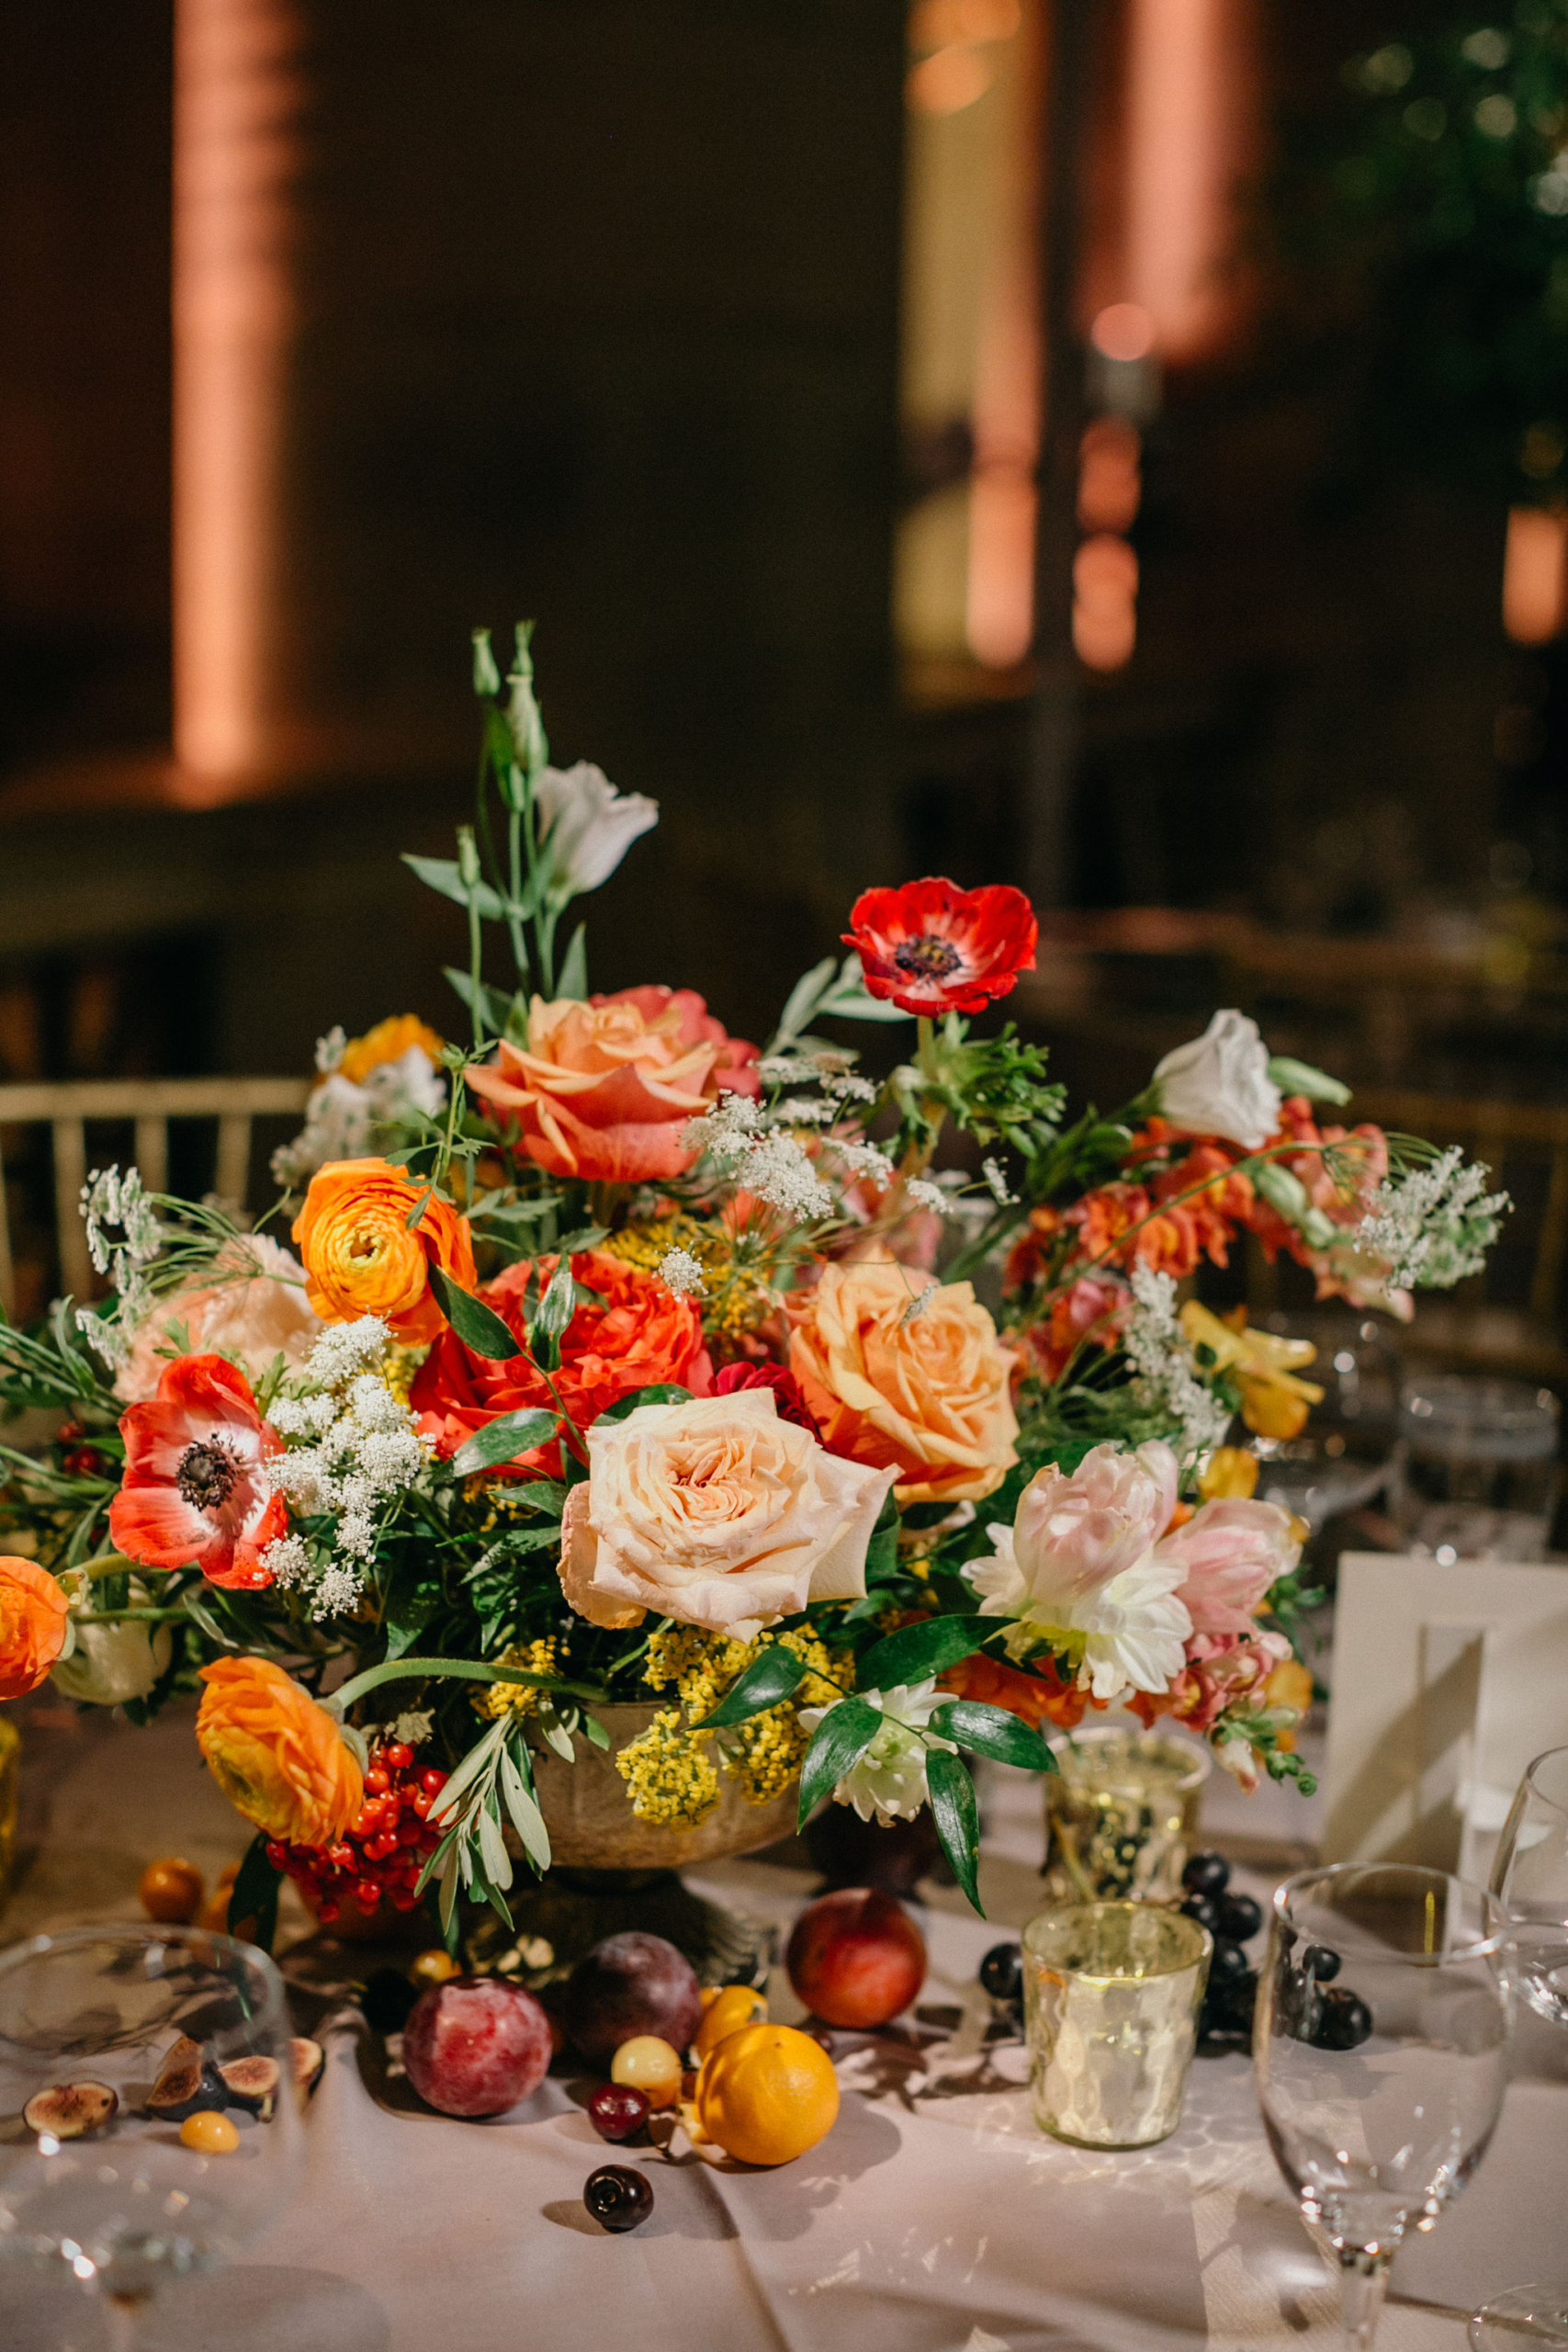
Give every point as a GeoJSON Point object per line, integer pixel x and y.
{"type": "Point", "coordinates": [935, 2216]}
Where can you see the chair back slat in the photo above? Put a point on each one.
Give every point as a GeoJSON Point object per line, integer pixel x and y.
{"type": "Point", "coordinates": [7, 1272]}
{"type": "Point", "coordinates": [233, 1178]}
{"type": "Point", "coordinates": [153, 1151]}
{"type": "Point", "coordinates": [70, 1175]}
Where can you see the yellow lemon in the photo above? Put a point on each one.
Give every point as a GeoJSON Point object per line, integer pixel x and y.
{"type": "Point", "coordinates": [731, 2007]}
{"type": "Point", "coordinates": [767, 2093]}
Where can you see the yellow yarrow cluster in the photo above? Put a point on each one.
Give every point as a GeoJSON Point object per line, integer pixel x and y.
{"type": "Point", "coordinates": [515, 1698]}
{"type": "Point", "coordinates": [735, 1298]}
{"type": "Point", "coordinates": [667, 1769]}
{"type": "Point", "coordinates": [399, 1369]}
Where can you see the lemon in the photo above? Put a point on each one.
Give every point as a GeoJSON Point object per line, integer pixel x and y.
{"type": "Point", "coordinates": [767, 2093]}
{"type": "Point", "coordinates": [731, 2007]}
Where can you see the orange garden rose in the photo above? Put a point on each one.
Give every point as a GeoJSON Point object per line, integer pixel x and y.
{"type": "Point", "coordinates": [388, 1042]}
{"type": "Point", "coordinates": [278, 1757]}
{"type": "Point", "coordinates": [33, 1625]}
{"type": "Point", "coordinates": [925, 1393]}
{"type": "Point", "coordinates": [360, 1257]}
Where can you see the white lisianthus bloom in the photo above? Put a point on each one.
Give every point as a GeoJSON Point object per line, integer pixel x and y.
{"type": "Point", "coordinates": [1219, 1085]}
{"type": "Point", "coordinates": [1082, 1569]}
{"type": "Point", "coordinates": [889, 1780]}
{"type": "Point", "coordinates": [587, 826]}
{"type": "Point", "coordinates": [107, 1665]}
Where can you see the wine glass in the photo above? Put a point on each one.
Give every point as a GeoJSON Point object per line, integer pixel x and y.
{"type": "Point", "coordinates": [1530, 1878]}
{"type": "Point", "coordinates": [149, 2122]}
{"type": "Point", "coordinates": [1379, 2042]}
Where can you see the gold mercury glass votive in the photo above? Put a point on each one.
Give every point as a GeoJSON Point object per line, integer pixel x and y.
{"type": "Point", "coordinates": [1111, 1993]}
{"type": "Point", "coordinates": [1122, 1814]}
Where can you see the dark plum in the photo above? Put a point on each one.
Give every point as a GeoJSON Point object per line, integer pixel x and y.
{"type": "Point", "coordinates": [1206, 1874]}
{"type": "Point", "coordinates": [1001, 1972]}
{"type": "Point", "coordinates": [617, 2198]}
{"type": "Point", "coordinates": [631, 1984]}
{"type": "Point", "coordinates": [618, 2110]}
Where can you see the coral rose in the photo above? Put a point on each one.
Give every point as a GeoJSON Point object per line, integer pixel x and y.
{"type": "Point", "coordinates": [34, 1623]}
{"type": "Point", "coordinates": [715, 1514]}
{"type": "Point", "coordinates": [603, 1090]}
{"type": "Point", "coordinates": [631, 1334]}
{"type": "Point", "coordinates": [362, 1258]}
{"type": "Point", "coordinates": [194, 1493]}
{"type": "Point", "coordinates": [924, 1393]}
{"type": "Point", "coordinates": [251, 1309]}
{"type": "Point", "coordinates": [278, 1757]}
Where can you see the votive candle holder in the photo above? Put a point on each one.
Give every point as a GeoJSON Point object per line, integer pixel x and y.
{"type": "Point", "coordinates": [1121, 1813]}
{"type": "Point", "coordinates": [1111, 1993]}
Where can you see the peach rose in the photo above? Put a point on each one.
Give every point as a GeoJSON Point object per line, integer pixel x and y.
{"type": "Point", "coordinates": [258, 1312]}
{"type": "Point", "coordinates": [715, 1514]}
{"type": "Point", "coordinates": [34, 1624]}
{"type": "Point", "coordinates": [925, 1393]}
{"type": "Point", "coordinates": [278, 1757]}
{"type": "Point", "coordinates": [360, 1257]}
{"type": "Point", "coordinates": [603, 1090]}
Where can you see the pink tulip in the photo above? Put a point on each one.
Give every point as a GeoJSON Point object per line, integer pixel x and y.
{"type": "Point", "coordinates": [1073, 1535]}
{"type": "Point", "coordinates": [1232, 1552]}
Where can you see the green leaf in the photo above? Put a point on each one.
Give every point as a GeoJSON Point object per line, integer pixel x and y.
{"type": "Point", "coordinates": [443, 874]}
{"type": "Point", "coordinates": [494, 1007]}
{"type": "Point", "coordinates": [572, 980]}
{"type": "Point", "coordinates": [771, 1675]}
{"type": "Point", "coordinates": [915, 1651]}
{"type": "Point", "coordinates": [1292, 1076]}
{"type": "Point", "coordinates": [596, 1732]}
{"type": "Point", "coordinates": [991, 1731]}
{"type": "Point", "coordinates": [882, 1551]}
{"type": "Point", "coordinates": [658, 1392]}
{"type": "Point", "coordinates": [802, 1002]}
{"type": "Point", "coordinates": [516, 1778]}
{"type": "Point", "coordinates": [504, 1439]}
{"type": "Point", "coordinates": [839, 1740]}
{"type": "Point", "coordinates": [850, 998]}
{"type": "Point", "coordinates": [957, 1818]}
{"type": "Point", "coordinates": [587, 1237]}
{"type": "Point", "coordinates": [478, 1326]}
{"type": "Point", "coordinates": [254, 1895]}
{"type": "Point", "coordinates": [558, 1305]}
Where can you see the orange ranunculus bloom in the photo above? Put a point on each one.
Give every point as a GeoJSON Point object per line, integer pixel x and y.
{"type": "Point", "coordinates": [927, 1392]}
{"type": "Point", "coordinates": [360, 1257]}
{"type": "Point", "coordinates": [278, 1757]}
{"type": "Point", "coordinates": [1035, 1697]}
{"type": "Point", "coordinates": [388, 1042]}
{"type": "Point", "coordinates": [33, 1615]}
{"type": "Point", "coordinates": [603, 1090]}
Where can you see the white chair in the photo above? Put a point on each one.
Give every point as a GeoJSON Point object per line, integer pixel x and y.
{"type": "Point", "coordinates": [147, 1105]}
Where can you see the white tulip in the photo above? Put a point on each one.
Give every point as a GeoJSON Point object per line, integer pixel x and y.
{"type": "Point", "coordinates": [587, 827]}
{"type": "Point", "coordinates": [1219, 1085]}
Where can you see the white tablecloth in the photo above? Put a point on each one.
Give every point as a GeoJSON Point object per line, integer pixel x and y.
{"type": "Point", "coordinates": [934, 2218]}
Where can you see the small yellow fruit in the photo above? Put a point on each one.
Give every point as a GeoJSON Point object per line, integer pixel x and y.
{"type": "Point", "coordinates": [767, 2094]}
{"type": "Point", "coordinates": [214, 1912]}
{"type": "Point", "coordinates": [732, 2007]}
{"type": "Point", "coordinates": [170, 1890]}
{"type": "Point", "coordinates": [647, 2064]}
{"type": "Point", "coordinates": [433, 1967]}
{"type": "Point", "coordinates": [208, 2134]}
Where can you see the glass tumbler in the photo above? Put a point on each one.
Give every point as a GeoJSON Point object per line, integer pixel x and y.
{"type": "Point", "coordinates": [1122, 1814]}
{"type": "Point", "coordinates": [1111, 1993]}
{"type": "Point", "coordinates": [1477, 1477]}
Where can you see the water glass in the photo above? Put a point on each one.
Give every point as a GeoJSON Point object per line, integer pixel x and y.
{"type": "Point", "coordinates": [149, 2189]}
{"type": "Point", "coordinates": [1342, 1458]}
{"type": "Point", "coordinates": [1111, 1993]}
{"type": "Point", "coordinates": [1477, 1476]}
{"type": "Point", "coordinates": [1122, 1814]}
{"type": "Point", "coordinates": [1379, 2042]}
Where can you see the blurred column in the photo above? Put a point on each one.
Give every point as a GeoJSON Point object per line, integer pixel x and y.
{"type": "Point", "coordinates": [238, 90]}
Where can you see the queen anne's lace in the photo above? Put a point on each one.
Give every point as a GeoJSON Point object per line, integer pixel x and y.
{"type": "Point", "coordinates": [679, 1270]}
{"type": "Point", "coordinates": [1164, 1363]}
{"type": "Point", "coordinates": [123, 1236]}
{"type": "Point", "coordinates": [759, 1159]}
{"type": "Point", "coordinates": [353, 1450]}
{"type": "Point", "coordinates": [1434, 1225]}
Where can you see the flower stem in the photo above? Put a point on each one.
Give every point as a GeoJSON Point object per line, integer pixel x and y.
{"type": "Point", "coordinates": [466, 1670]}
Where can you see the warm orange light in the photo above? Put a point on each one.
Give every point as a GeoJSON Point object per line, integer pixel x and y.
{"type": "Point", "coordinates": [1535, 574]}
{"type": "Point", "coordinates": [1105, 602]}
{"type": "Point", "coordinates": [1123, 331]}
{"type": "Point", "coordinates": [1110, 480]}
{"type": "Point", "coordinates": [1188, 130]}
{"type": "Point", "coordinates": [948, 82]}
{"type": "Point", "coordinates": [236, 99]}
{"type": "Point", "coordinates": [939, 23]}
{"type": "Point", "coordinates": [999, 614]}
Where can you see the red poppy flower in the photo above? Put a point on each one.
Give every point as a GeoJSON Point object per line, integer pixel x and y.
{"type": "Point", "coordinates": [194, 1495]}
{"type": "Point", "coordinates": [931, 947]}
{"type": "Point", "coordinates": [788, 1402]}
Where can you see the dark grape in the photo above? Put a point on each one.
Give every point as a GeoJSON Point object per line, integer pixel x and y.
{"type": "Point", "coordinates": [617, 2109]}
{"type": "Point", "coordinates": [1198, 1908]}
{"type": "Point", "coordinates": [1228, 1966]}
{"type": "Point", "coordinates": [1206, 1874]}
{"type": "Point", "coordinates": [1320, 1961]}
{"type": "Point", "coordinates": [388, 1998]}
{"type": "Point", "coordinates": [617, 2198]}
{"type": "Point", "coordinates": [1344, 2020]}
{"type": "Point", "coordinates": [1001, 1972]}
{"type": "Point", "coordinates": [1239, 1915]}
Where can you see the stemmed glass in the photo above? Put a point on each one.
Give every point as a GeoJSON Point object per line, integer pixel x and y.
{"type": "Point", "coordinates": [149, 2123]}
{"type": "Point", "coordinates": [1530, 1878]}
{"type": "Point", "coordinates": [1380, 2045]}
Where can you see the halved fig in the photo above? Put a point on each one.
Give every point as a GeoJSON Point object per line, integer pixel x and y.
{"type": "Point", "coordinates": [70, 2111]}
{"type": "Point", "coordinates": [252, 2083]}
{"type": "Point", "coordinates": [186, 2083]}
{"type": "Point", "coordinates": [306, 2060]}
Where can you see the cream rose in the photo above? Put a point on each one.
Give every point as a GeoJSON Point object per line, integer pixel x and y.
{"type": "Point", "coordinates": [1219, 1085]}
{"type": "Point", "coordinates": [921, 1388]}
{"type": "Point", "coordinates": [715, 1513]}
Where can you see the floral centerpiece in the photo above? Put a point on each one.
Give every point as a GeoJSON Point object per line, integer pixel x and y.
{"type": "Point", "coordinates": [619, 1360]}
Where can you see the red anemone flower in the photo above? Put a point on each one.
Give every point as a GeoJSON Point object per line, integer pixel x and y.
{"type": "Point", "coordinates": [933, 947]}
{"type": "Point", "coordinates": [194, 1495]}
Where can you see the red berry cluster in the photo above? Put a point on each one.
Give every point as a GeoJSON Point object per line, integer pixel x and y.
{"type": "Point", "coordinates": [387, 1846]}
{"type": "Point", "coordinates": [82, 1461]}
